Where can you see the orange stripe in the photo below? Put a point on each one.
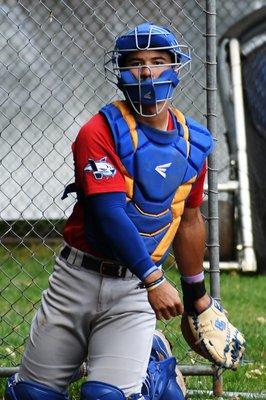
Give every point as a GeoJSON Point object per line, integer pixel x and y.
{"type": "Point", "coordinates": [151, 215]}
{"type": "Point", "coordinates": [130, 120]}
{"type": "Point", "coordinates": [181, 119]}
{"type": "Point", "coordinates": [177, 208]}
{"type": "Point", "coordinates": [156, 232]}
{"type": "Point", "coordinates": [181, 194]}
{"type": "Point", "coordinates": [166, 241]}
{"type": "Point", "coordinates": [129, 182]}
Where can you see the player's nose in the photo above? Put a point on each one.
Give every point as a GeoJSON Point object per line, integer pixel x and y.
{"type": "Point", "coordinates": [145, 72]}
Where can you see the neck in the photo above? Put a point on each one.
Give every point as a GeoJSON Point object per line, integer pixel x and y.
{"type": "Point", "coordinates": [159, 121]}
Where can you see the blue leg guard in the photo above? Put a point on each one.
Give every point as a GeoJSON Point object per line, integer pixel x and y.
{"type": "Point", "coordinates": [30, 391]}
{"type": "Point", "coordinates": [94, 390]}
{"type": "Point", "coordinates": [160, 382]}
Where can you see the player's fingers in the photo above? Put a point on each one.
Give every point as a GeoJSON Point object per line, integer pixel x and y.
{"type": "Point", "coordinates": [166, 314]}
{"type": "Point", "coordinates": [179, 309]}
{"type": "Point", "coordinates": [163, 312]}
{"type": "Point", "coordinates": [173, 311]}
{"type": "Point", "coordinates": [158, 315]}
{"type": "Point", "coordinates": [170, 312]}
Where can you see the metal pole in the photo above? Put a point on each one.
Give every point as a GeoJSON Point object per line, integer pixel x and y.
{"type": "Point", "coordinates": [213, 240]}
{"type": "Point", "coordinates": [187, 370]}
{"type": "Point", "coordinates": [7, 371]}
{"type": "Point", "coordinates": [197, 370]}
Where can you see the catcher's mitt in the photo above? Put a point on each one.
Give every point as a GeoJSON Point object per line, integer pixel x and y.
{"type": "Point", "coordinates": [212, 336]}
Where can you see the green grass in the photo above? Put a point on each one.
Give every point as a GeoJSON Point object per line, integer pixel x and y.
{"type": "Point", "coordinates": [24, 272]}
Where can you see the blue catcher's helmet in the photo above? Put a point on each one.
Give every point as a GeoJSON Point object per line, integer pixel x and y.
{"type": "Point", "coordinates": [147, 91]}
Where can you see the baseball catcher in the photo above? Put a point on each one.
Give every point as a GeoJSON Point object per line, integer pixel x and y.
{"type": "Point", "coordinates": [140, 166]}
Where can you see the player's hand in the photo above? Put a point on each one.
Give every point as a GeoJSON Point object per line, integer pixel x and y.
{"type": "Point", "coordinates": [165, 301]}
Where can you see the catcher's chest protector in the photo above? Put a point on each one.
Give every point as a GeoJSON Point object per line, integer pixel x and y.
{"type": "Point", "coordinates": [159, 169]}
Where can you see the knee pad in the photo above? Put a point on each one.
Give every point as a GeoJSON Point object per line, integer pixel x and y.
{"type": "Point", "coordinates": [30, 391]}
{"type": "Point", "coordinates": [94, 390]}
{"type": "Point", "coordinates": [172, 390]}
{"type": "Point", "coordinates": [161, 382]}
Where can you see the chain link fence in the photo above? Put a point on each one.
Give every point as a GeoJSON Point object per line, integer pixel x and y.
{"type": "Point", "coordinates": [52, 81]}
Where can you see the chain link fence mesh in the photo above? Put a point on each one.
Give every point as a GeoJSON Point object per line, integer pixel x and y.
{"type": "Point", "coordinates": [52, 81]}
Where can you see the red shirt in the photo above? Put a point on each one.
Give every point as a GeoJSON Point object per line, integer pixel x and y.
{"type": "Point", "coordinates": [95, 142]}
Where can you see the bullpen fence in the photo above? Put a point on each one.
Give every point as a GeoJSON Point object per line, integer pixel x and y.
{"type": "Point", "coordinates": [52, 81]}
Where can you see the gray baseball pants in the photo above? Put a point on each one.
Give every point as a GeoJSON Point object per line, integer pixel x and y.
{"type": "Point", "coordinates": [83, 315]}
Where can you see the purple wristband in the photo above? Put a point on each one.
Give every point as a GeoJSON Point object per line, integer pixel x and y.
{"type": "Point", "coordinates": [194, 278]}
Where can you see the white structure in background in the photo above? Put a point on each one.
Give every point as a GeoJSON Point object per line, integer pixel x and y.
{"type": "Point", "coordinates": [248, 262]}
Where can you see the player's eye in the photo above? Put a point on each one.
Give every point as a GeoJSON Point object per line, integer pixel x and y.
{"type": "Point", "coordinates": [160, 61]}
{"type": "Point", "coordinates": [134, 63]}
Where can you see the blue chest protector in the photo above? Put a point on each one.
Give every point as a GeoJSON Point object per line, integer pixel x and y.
{"type": "Point", "coordinates": [159, 169]}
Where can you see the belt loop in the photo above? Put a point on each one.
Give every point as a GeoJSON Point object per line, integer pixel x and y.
{"type": "Point", "coordinates": [72, 256]}
{"type": "Point", "coordinates": [79, 258]}
{"type": "Point", "coordinates": [101, 266]}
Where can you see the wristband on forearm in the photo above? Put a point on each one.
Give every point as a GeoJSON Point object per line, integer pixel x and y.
{"type": "Point", "coordinates": [191, 293]}
{"type": "Point", "coordinates": [152, 285]}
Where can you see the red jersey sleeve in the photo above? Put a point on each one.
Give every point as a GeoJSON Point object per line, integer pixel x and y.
{"type": "Point", "coordinates": [98, 169]}
{"type": "Point", "coordinates": [195, 197]}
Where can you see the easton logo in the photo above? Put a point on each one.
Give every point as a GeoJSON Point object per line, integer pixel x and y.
{"type": "Point", "coordinates": [220, 324]}
{"type": "Point", "coordinates": [161, 169]}
{"type": "Point", "coordinates": [147, 96]}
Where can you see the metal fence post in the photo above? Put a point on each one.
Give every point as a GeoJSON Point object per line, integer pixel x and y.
{"type": "Point", "coordinates": [213, 218]}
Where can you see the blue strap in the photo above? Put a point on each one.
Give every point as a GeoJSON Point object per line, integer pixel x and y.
{"type": "Point", "coordinates": [72, 188]}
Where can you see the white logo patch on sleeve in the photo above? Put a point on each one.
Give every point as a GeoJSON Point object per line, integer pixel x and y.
{"type": "Point", "coordinates": [100, 168]}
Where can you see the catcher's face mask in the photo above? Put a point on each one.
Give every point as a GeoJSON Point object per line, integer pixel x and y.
{"type": "Point", "coordinates": [152, 90]}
